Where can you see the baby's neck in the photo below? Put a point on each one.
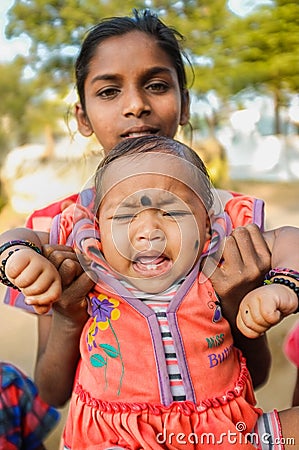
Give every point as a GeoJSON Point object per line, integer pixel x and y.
{"type": "Point", "coordinates": [166, 295]}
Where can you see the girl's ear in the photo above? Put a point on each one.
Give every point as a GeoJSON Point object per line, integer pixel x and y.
{"type": "Point", "coordinates": [82, 121]}
{"type": "Point", "coordinates": [185, 110]}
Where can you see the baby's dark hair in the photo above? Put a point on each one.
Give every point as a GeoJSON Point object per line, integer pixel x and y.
{"type": "Point", "coordinates": [147, 22]}
{"type": "Point", "coordinates": [159, 144]}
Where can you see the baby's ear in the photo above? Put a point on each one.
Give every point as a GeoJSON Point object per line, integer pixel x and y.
{"type": "Point", "coordinates": [209, 222]}
{"type": "Point", "coordinates": [82, 121]}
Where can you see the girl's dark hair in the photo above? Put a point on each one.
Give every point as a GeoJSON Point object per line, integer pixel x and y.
{"type": "Point", "coordinates": [145, 21]}
{"type": "Point", "coordinates": [159, 144]}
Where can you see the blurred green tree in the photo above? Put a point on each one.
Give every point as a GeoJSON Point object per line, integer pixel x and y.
{"type": "Point", "coordinates": [27, 109]}
{"type": "Point", "coordinates": [262, 51]}
{"type": "Point", "coordinates": [15, 97]}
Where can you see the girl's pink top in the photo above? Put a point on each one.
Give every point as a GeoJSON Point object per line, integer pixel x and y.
{"type": "Point", "coordinates": [291, 345]}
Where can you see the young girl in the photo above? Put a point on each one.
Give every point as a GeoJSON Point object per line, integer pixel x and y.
{"type": "Point", "coordinates": [152, 310]}
{"type": "Point", "coordinates": [131, 82]}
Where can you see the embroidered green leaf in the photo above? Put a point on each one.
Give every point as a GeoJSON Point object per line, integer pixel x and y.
{"type": "Point", "coordinates": [110, 350]}
{"type": "Point", "coordinates": [98, 360]}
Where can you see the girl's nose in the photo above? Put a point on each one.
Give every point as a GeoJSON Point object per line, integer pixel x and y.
{"type": "Point", "coordinates": [136, 104]}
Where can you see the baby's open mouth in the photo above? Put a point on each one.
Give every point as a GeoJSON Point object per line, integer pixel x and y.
{"type": "Point", "coordinates": [152, 266]}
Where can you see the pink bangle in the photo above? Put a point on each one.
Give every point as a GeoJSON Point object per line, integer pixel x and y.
{"type": "Point", "coordinates": [282, 271]}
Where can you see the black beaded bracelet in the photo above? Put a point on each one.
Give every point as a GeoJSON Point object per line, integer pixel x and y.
{"type": "Point", "coordinates": [286, 283]}
{"type": "Point", "coordinates": [3, 278]}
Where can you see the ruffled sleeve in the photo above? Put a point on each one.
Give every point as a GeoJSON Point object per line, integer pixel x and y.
{"type": "Point", "coordinates": [243, 210]}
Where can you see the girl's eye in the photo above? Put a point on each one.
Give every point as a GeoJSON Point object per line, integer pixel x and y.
{"type": "Point", "coordinates": [108, 93]}
{"type": "Point", "coordinates": [158, 87]}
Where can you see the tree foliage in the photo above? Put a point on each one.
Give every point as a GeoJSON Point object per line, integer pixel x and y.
{"type": "Point", "coordinates": [15, 98]}
{"type": "Point", "coordinates": [264, 52]}
{"type": "Point", "coordinates": [25, 108]}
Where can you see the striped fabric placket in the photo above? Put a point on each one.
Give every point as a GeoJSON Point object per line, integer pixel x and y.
{"type": "Point", "coordinates": [175, 378]}
{"type": "Point", "coordinates": [159, 303]}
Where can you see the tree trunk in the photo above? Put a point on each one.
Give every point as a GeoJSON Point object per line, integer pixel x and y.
{"type": "Point", "coordinates": [277, 104]}
{"type": "Point", "coordinates": [49, 143]}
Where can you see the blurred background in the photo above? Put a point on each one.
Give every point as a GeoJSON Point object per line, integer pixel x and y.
{"type": "Point", "coordinates": [245, 121]}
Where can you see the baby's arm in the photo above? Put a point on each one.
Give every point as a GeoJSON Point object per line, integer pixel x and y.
{"type": "Point", "coordinates": [28, 270]}
{"type": "Point", "coordinates": [268, 305]}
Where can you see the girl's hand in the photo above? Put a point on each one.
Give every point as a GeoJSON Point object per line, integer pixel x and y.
{"type": "Point", "coordinates": [246, 260]}
{"type": "Point", "coordinates": [265, 307]}
{"type": "Point", "coordinates": [36, 277]}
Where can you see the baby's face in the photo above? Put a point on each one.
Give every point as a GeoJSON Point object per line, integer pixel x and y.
{"type": "Point", "coordinates": [153, 226]}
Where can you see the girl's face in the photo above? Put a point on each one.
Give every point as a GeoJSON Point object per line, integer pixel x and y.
{"type": "Point", "coordinates": [131, 90]}
{"type": "Point", "coordinates": [153, 226]}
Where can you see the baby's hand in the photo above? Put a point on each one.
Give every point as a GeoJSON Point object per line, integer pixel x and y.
{"type": "Point", "coordinates": [76, 283]}
{"type": "Point", "coordinates": [264, 307]}
{"type": "Point", "coordinates": [36, 277]}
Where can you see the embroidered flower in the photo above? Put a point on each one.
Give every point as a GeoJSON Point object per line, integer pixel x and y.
{"type": "Point", "coordinates": [104, 309]}
{"type": "Point", "coordinates": [216, 306]}
{"type": "Point", "coordinates": [93, 329]}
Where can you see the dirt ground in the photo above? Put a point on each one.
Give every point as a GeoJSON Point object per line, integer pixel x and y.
{"type": "Point", "coordinates": [18, 329]}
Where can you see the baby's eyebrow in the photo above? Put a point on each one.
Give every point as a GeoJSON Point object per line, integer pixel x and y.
{"type": "Point", "coordinates": [166, 201]}
{"type": "Point", "coordinates": [130, 203]}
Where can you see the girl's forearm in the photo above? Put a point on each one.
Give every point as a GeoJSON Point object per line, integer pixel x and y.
{"type": "Point", "coordinates": [257, 354]}
{"type": "Point", "coordinates": [56, 365]}
{"type": "Point", "coordinates": [284, 246]}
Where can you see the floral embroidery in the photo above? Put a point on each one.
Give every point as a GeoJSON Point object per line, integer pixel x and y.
{"type": "Point", "coordinates": [104, 310]}
{"type": "Point", "coordinates": [93, 329]}
{"type": "Point", "coordinates": [216, 306]}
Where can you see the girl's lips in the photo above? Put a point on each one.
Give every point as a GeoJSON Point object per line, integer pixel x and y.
{"type": "Point", "coordinates": [150, 266]}
{"type": "Point", "coordinates": [139, 132]}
